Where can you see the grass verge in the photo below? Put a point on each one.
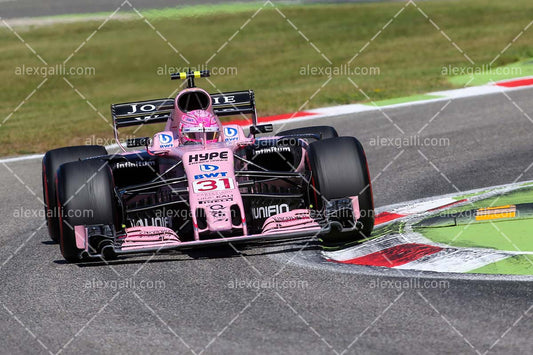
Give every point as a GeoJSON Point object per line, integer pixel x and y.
{"type": "Point", "coordinates": [516, 265]}
{"type": "Point", "coordinates": [502, 235]}
{"type": "Point", "coordinates": [279, 52]}
{"type": "Point", "coordinates": [485, 75]}
{"type": "Point", "coordinates": [402, 100]}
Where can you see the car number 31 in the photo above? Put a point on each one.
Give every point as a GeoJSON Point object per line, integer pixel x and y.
{"type": "Point", "coordinates": [212, 185]}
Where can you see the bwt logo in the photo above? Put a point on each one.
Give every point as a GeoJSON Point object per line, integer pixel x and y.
{"type": "Point", "coordinates": [166, 141]}
{"type": "Point", "coordinates": [165, 138]}
{"type": "Point", "coordinates": [210, 175]}
{"type": "Point", "coordinates": [200, 157]}
{"type": "Point", "coordinates": [231, 134]}
{"type": "Point", "coordinates": [230, 131]}
{"type": "Point", "coordinates": [208, 167]}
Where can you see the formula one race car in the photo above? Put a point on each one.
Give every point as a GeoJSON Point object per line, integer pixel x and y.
{"type": "Point", "coordinates": [201, 183]}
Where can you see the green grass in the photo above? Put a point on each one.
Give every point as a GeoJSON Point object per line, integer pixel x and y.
{"type": "Point", "coordinates": [500, 235]}
{"type": "Point", "coordinates": [488, 75]}
{"type": "Point", "coordinates": [402, 100]}
{"type": "Point", "coordinates": [268, 54]}
{"type": "Point", "coordinates": [516, 265]}
{"type": "Point", "coordinates": [203, 10]}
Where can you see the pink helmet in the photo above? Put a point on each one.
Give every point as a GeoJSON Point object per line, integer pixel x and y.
{"type": "Point", "coordinates": [197, 125]}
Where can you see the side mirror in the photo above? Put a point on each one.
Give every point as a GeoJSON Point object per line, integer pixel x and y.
{"type": "Point", "coordinates": [262, 128]}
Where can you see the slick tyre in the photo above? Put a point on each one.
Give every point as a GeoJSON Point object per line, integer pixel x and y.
{"type": "Point", "coordinates": [339, 169]}
{"type": "Point", "coordinates": [85, 196]}
{"type": "Point", "coordinates": [52, 160]}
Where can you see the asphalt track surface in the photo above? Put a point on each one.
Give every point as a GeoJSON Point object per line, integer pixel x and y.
{"type": "Point", "coordinates": [210, 301]}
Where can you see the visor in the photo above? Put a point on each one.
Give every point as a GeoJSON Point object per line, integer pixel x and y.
{"type": "Point", "coordinates": [196, 134]}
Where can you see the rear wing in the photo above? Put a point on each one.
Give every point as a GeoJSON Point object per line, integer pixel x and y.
{"type": "Point", "coordinates": [160, 110]}
{"type": "Point", "coordinates": [141, 112]}
{"type": "Point", "coordinates": [235, 103]}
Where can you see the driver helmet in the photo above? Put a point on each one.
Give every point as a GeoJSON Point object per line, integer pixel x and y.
{"type": "Point", "coordinates": [197, 126]}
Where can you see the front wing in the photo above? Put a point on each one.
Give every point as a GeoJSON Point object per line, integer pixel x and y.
{"type": "Point", "coordinates": [339, 215]}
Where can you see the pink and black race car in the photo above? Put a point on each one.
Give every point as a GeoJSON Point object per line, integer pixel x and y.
{"type": "Point", "coordinates": [200, 183]}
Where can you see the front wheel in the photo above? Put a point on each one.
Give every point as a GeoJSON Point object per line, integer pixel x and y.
{"type": "Point", "coordinates": [339, 169]}
{"type": "Point", "coordinates": [52, 160]}
{"type": "Point", "coordinates": [85, 196]}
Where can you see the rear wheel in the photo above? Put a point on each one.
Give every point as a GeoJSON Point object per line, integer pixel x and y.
{"type": "Point", "coordinates": [324, 132]}
{"type": "Point", "coordinates": [339, 169]}
{"type": "Point", "coordinates": [85, 196]}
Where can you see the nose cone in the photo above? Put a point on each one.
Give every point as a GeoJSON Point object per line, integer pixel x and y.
{"type": "Point", "coordinates": [219, 218]}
